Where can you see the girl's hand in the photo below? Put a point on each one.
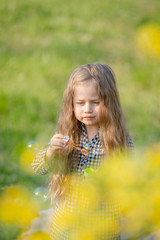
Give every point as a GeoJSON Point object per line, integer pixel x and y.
{"type": "Point", "coordinates": [57, 143]}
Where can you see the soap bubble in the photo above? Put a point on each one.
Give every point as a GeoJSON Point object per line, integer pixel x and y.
{"type": "Point", "coordinates": [41, 194]}
{"type": "Point", "coordinates": [66, 139]}
{"type": "Point", "coordinates": [91, 148]}
{"type": "Point", "coordinates": [28, 155]}
{"type": "Point", "coordinates": [25, 161]}
{"type": "Point", "coordinates": [88, 146]}
{"type": "Point", "coordinates": [32, 146]}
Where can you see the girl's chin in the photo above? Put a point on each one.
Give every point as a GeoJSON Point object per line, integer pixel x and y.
{"type": "Point", "coordinates": [89, 123]}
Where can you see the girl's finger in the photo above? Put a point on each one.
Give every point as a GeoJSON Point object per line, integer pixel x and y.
{"type": "Point", "coordinates": [57, 143]}
{"type": "Point", "coordinates": [58, 140]}
{"type": "Point", "coordinates": [58, 135]}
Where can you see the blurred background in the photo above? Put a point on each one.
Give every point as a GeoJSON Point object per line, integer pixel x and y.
{"type": "Point", "coordinates": [42, 42]}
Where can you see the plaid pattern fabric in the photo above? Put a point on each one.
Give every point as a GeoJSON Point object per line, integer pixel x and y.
{"type": "Point", "coordinates": [95, 152]}
{"type": "Point", "coordinates": [39, 164]}
{"type": "Point", "coordinates": [94, 159]}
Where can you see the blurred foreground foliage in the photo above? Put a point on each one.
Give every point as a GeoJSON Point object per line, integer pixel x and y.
{"type": "Point", "coordinates": [130, 179]}
{"type": "Point", "coordinates": [41, 44]}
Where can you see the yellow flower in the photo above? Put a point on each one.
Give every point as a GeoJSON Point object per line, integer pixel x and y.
{"type": "Point", "coordinates": [16, 206]}
{"type": "Point", "coordinates": [26, 159]}
{"type": "Point", "coordinates": [153, 155]}
{"type": "Point", "coordinates": [148, 39]}
{"type": "Point", "coordinates": [34, 236]}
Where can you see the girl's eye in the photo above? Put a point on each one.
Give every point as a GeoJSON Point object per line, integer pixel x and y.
{"type": "Point", "coordinates": [80, 103]}
{"type": "Point", "coordinates": [96, 102]}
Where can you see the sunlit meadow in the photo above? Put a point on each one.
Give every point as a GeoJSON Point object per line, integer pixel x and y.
{"type": "Point", "coordinates": [41, 43]}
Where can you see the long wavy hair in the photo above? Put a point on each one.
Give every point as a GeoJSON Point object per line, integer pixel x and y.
{"type": "Point", "coordinates": [113, 132]}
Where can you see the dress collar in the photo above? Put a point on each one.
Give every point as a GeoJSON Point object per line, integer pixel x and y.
{"type": "Point", "coordinates": [84, 132]}
{"type": "Point", "coordinates": [83, 128]}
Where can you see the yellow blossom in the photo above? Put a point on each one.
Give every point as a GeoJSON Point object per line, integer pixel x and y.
{"type": "Point", "coordinates": [34, 236]}
{"type": "Point", "coordinates": [26, 159]}
{"type": "Point", "coordinates": [148, 38]}
{"type": "Point", "coordinates": [17, 207]}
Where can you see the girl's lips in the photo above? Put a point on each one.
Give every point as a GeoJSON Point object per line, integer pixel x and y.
{"type": "Point", "coordinates": [88, 117]}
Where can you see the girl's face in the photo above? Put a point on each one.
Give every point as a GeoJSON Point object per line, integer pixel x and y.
{"type": "Point", "coordinates": [86, 104]}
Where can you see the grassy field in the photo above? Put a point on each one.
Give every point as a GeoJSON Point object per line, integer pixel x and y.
{"type": "Point", "coordinates": [41, 43]}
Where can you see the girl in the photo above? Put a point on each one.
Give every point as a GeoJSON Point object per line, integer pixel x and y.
{"type": "Point", "coordinates": [91, 116]}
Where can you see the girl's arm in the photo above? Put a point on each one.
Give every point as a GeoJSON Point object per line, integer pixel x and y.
{"type": "Point", "coordinates": [40, 164]}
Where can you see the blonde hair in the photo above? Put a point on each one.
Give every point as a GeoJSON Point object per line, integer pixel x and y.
{"type": "Point", "coordinates": [113, 132]}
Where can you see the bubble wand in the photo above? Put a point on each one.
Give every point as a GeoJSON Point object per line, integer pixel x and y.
{"type": "Point", "coordinates": [67, 140]}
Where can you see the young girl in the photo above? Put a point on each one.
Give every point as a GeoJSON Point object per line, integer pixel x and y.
{"type": "Point", "coordinates": [91, 116]}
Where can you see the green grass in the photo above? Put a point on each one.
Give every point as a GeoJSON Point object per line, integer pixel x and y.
{"type": "Point", "coordinates": [41, 43]}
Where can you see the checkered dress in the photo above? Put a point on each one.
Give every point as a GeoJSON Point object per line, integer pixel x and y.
{"type": "Point", "coordinates": [94, 160]}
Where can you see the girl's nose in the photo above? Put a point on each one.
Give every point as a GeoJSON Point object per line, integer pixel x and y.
{"type": "Point", "coordinates": [88, 107]}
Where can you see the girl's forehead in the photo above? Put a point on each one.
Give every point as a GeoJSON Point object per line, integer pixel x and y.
{"type": "Point", "coordinates": [87, 83]}
{"type": "Point", "coordinates": [85, 90]}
